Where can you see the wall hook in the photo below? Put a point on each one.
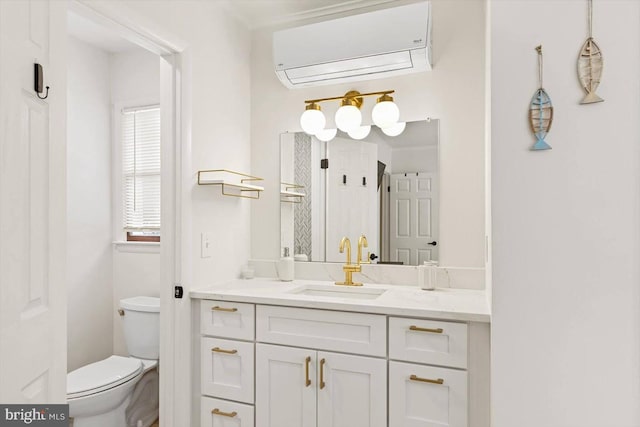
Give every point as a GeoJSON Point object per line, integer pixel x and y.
{"type": "Point", "coordinates": [38, 77]}
{"type": "Point", "coordinates": [46, 94]}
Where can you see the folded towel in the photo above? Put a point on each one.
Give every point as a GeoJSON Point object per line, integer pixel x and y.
{"type": "Point", "coordinates": [145, 401]}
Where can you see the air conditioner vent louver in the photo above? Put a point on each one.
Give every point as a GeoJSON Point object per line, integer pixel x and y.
{"type": "Point", "coordinates": [372, 45]}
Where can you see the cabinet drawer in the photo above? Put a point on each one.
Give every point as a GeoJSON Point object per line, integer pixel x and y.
{"type": "Point", "coordinates": [322, 329]}
{"type": "Point", "coordinates": [227, 319]}
{"type": "Point", "coordinates": [221, 413]}
{"type": "Point", "coordinates": [227, 369]}
{"type": "Point", "coordinates": [427, 341]}
{"type": "Point", "coordinates": [426, 396]}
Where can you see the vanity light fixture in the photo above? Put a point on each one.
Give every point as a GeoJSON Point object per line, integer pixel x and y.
{"type": "Point", "coordinates": [326, 135]}
{"type": "Point", "coordinates": [348, 118]}
{"type": "Point", "coordinates": [312, 120]}
{"type": "Point", "coordinates": [360, 133]}
{"type": "Point", "coordinates": [385, 113]}
{"type": "Point", "coordinates": [395, 130]}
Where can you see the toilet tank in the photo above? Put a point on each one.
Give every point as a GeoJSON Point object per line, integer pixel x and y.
{"type": "Point", "coordinates": [141, 322]}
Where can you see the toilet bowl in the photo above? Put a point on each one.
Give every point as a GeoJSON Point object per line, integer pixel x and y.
{"type": "Point", "coordinates": [100, 393]}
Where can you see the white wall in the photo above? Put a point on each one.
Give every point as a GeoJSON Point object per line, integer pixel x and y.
{"type": "Point", "coordinates": [415, 159]}
{"type": "Point", "coordinates": [88, 205]}
{"type": "Point", "coordinates": [452, 92]}
{"type": "Point", "coordinates": [217, 59]}
{"type": "Point", "coordinates": [566, 222]}
{"type": "Point", "coordinates": [135, 81]}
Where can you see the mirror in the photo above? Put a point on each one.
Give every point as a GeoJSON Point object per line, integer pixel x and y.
{"type": "Point", "coordinates": [383, 187]}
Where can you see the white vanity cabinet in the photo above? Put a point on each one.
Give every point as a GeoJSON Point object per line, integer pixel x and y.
{"type": "Point", "coordinates": [275, 366]}
{"type": "Point", "coordinates": [227, 364]}
{"type": "Point", "coordinates": [427, 396]}
{"type": "Point", "coordinates": [306, 388]}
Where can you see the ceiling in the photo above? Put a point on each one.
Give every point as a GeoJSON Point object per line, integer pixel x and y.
{"type": "Point", "coordinates": [261, 13]}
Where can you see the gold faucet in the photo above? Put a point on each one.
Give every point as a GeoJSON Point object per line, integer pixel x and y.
{"type": "Point", "coordinates": [362, 243]}
{"type": "Point", "coordinates": [348, 268]}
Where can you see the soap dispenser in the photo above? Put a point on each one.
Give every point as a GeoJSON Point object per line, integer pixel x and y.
{"type": "Point", "coordinates": [285, 266]}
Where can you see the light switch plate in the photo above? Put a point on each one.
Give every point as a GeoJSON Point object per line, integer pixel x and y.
{"type": "Point", "coordinates": [206, 245]}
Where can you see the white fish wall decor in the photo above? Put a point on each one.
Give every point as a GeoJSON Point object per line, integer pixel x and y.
{"type": "Point", "coordinates": [540, 111]}
{"type": "Point", "coordinates": [590, 64]}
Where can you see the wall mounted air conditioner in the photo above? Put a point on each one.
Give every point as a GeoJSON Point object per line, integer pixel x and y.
{"type": "Point", "coordinates": [371, 45]}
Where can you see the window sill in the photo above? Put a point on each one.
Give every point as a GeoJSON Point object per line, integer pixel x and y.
{"type": "Point", "coordinates": [137, 247]}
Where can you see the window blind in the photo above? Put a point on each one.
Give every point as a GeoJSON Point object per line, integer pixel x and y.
{"type": "Point", "coordinates": [141, 169]}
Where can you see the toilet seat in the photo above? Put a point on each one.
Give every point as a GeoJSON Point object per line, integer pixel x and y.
{"type": "Point", "coordinates": [103, 375]}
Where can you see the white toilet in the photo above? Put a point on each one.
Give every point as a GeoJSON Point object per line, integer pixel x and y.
{"type": "Point", "coordinates": [98, 394]}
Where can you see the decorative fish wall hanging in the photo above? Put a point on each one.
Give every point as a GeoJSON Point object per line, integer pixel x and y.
{"type": "Point", "coordinates": [590, 64]}
{"type": "Point", "coordinates": [540, 111]}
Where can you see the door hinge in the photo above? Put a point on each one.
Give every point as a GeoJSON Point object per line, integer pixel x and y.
{"type": "Point", "coordinates": [324, 164]}
{"type": "Point", "coordinates": [178, 291]}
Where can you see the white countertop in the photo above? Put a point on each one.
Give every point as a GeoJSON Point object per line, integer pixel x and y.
{"type": "Point", "coordinates": [446, 304]}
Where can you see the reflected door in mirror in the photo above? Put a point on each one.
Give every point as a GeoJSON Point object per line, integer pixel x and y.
{"type": "Point", "coordinates": [413, 218]}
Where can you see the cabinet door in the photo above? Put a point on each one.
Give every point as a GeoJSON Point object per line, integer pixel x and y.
{"type": "Point", "coordinates": [285, 386]}
{"type": "Point", "coordinates": [352, 391]}
{"type": "Point", "coordinates": [426, 396]}
{"type": "Point", "coordinates": [227, 369]}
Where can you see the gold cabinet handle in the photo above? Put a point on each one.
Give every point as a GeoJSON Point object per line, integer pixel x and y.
{"type": "Point", "coordinates": [218, 308]}
{"type": "Point", "coordinates": [433, 331]}
{"type": "Point", "coordinates": [221, 350]}
{"type": "Point", "coordinates": [322, 384]}
{"type": "Point", "coordinates": [307, 381]}
{"type": "Point", "coordinates": [224, 414]}
{"type": "Point", "coordinates": [426, 380]}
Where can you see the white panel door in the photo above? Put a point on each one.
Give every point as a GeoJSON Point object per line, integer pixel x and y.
{"type": "Point", "coordinates": [426, 396]}
{"type": "Point", "coordinates": [413, 218]}
{"type": "Point", "coordinates": [285, 386]}
{"type": "Point", "coordinates": [352, 391]}
{"type": "Point", "coordinates": [352, 196]}
{"type": "Point", "coordinates": [33, 342]}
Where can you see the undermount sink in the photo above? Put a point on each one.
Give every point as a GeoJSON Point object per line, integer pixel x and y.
{"type": "Point", "coordinates": [338, 291]}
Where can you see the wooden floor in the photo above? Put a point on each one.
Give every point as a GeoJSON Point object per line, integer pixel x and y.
{"type": "Point", "coordinates": [156, 424]}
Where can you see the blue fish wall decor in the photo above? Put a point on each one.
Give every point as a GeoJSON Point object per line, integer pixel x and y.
{"type": "Point", "coordinates": [540, 111]}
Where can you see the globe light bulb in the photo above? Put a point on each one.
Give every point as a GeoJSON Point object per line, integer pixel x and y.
{"type": "Point", "coordinates": [312, 119]}
{"type": "Point", "coordinates": [326, 135]}
{"type": "Point", "coordinates": [348, 117]}
{"type": "Point", "coordinates": [385, 113]}
{"type": "Point", "coordinates": [395, 130]}
{"type": "Point", "coordinates": [361, 132]}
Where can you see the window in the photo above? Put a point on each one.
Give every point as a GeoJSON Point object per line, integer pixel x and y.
{"type": "Point", "coordinates": [141, 173]}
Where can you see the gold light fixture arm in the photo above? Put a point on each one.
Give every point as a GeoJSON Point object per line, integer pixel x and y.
{"type": "Point", "coordinates": [353, 94]}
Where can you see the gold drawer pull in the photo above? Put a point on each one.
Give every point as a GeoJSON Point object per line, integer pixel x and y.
{"type": "Point", "coordinates": [224, 414]}
{"type": "Point", "coordinates": [426, 380]}
{"type": "Point", "coordinates": [218, 308]}
{"type": "Point", "coordinates": [307, 381]}
{"type": "Point", "coordinates": [221, 350]}
{"type": "Point", "coordinates": [433, 331]}
{"type": "Point", "coordinates": [322, 384]}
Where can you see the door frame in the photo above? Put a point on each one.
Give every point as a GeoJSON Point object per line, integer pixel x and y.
{"type": "Point", "coordinates": [175, 79]}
